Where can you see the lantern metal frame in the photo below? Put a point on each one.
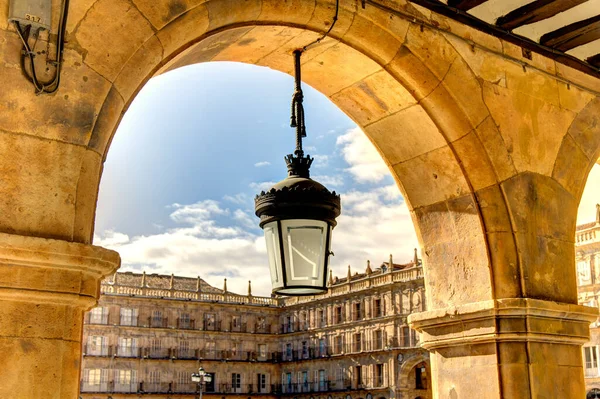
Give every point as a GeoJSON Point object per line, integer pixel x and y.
{"type": "Point", "coordinates": [298, 197]}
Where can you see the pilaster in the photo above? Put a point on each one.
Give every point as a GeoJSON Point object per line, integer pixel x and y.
{"type": "Point", "coordinates": [45, 287]}
{"type": "Point", "coordinates": [506, 348]}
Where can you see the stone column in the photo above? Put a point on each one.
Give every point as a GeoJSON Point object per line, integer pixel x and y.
{"type": "Point", "coordinates": [506, 348]}
{"type": "Point", "coordinates": [45, 287]}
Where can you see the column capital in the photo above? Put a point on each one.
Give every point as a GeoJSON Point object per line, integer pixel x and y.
{"type": "Point", "coordinates": [43, 270]}
{"type": "Point", "coordinates": [504, 320]}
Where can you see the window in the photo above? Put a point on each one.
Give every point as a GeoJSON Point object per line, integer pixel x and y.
{"type": "Point", "coordinates": [236, 382]}
{"type": "Point", "coordinates": [287, 382]}
{"type": "Point", "coordinates": [591, 359]}
{"type": "Point", "coordinates": [209, 385]}
{"type": "Point", "coordinates": [405, 337]}
{"type": "Point", "coordinates": [236, 323]}
{"type": "Point", "coordinates": [357, 342]}
{"type": "Point", "coordinates": [322, 381]}
{"type": "Point", "coordinates": [305, 383]}
{"type": "Point", "coordinates": [338, 344]}
{"type": "Point", "coordinates": [209, 321]}
{"type": "Point", "coordinates": [261, 382]}
{"type": "Point", "coordinates": [377, 308]}
{"type": "Point", "coordinates": [99, 316]}
{"type": "Point", "coordinates": [184, 321]}
{"type": "Point", "coordinates": [583, 272]}
{"type": "Point", "coordinates": [321, 318]}
{"type": "Point", "coordinates": [129, 317]}
{"type": "Point", "coordinates": [377, 339]}
{"type": "Point", "coordinates": [288, 351]}
{"type": "Point", "coordinates": [157, 319]}
{"type": "Point", "coordinates": [420, 376]}
{"type": "Point", "coordinates": [304, 349]}
{"type": "Point", "coordinates": [262, 350]}
{"type": "Point", "coordinates": [185, 352]}
{"type": "Point", "coordinates": [95, 376]}
{"type": "Point", "coordinates": [127, 347]}
{"type": "Point", "coordinates": [323, 346]}
{"type": "Point", "coordinates": [338, 314]}
{"type": "Point", "coordinates": [356, 314]}
{"type": "Point", "coordinates": [378, 375]}
{"type": "Point", "coordinates": [358, 380]}
{"type": "Point", "coordinates": [261, 324]}
{"type": "Point", "coordinates": [97, 346]}
{"type": "Point", "coordinates": [125, 377]}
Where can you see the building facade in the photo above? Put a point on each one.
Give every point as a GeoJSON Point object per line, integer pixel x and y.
{"type": "Point", "coordinates": [149, 333]}
{"type": "Point", "coordinates": [587, 257]}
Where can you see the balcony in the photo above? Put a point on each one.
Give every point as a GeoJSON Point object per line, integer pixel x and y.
{"type": "Point", "coordinates": [97, 350]}
{"type": "Point", "coordinates": [175, 388]}
{"type": "Point", "coordinates": [95, 318]}
{"type": "Point", "coordinates": [186, 324]}
{"type": "Point", "coordinates": [128, 321]}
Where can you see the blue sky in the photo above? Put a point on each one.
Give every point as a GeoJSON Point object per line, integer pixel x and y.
{"type": "Point", "coordinates": [200, 142]}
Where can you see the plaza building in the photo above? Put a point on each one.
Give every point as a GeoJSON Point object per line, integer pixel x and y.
{"type": "Point", "coordinates": [149, 333]}
{"type": "Point", "coordinates": [587, 253]}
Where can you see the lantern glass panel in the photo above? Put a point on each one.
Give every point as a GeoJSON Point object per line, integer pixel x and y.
{"type": "Point", "coordinates": [304, 251]}
{"type": "Point", "coordinates": [273, 252]}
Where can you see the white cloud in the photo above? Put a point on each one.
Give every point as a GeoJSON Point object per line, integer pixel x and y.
{"type": "Point", "coordinates": [321, 161]}
{"type": "Point", "coordinates": [327, 181]}
{"type": "Point", "coordinates": [261, 186]}
{"type": "Point", "coordinates": [590, 197]}
{"type": "Point", "coordinates": [262, 163]}
{"type": "Point", "coordinates": [215, 243]}
{"type": "Point", "coordinates": [238, 199]}
{"type": "Point", "coordinates": [366, 165]}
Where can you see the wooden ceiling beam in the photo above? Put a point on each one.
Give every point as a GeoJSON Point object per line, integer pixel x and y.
{"type": "Point", "coordinates": [595, 61]}
{"type": "Point", "coordinates": [534, 12]}
{"type": "Point", "coordinates": [465, 5]}
{"type": "Point", "coordinates": [573, 35]}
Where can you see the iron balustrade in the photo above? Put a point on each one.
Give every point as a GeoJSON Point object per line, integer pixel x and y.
{"type": "Point", "coordinates": [186, 324]}
{"type": "Point", "coordinates": [128, 321]}
{"type": "Point", "coordinates": [97, 350]}
{"type": "Point", "coordinates": [91, 318]}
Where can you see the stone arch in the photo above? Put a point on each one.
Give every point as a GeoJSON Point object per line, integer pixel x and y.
{"type": "Point", "coordinates": [402, 102]}
{"type": "Point", "coordinates": [406, 368]}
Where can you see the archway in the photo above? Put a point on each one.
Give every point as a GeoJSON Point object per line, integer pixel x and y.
{"type": "Point", "coordinates": [490, 151]}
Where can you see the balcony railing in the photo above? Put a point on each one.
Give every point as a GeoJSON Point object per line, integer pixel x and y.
{"type": "Point", "coordinates": [96, 319]}
{"type": "Point", "coordinates": [97, 350]}
{"type": "Point", "coordinates": [175, 388]}
{"type": "Point", "coordinates": [128, 321]}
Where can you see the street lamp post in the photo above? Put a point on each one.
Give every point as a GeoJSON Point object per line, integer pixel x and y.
{"type": "Point", "coordinates": [201, 377]}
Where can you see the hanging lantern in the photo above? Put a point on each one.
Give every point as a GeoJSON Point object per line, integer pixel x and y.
{"type": "Point", "coordinates": [297, 216]}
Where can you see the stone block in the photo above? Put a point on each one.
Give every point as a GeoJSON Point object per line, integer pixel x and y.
{"type": "Point", "coordinates": [429, 45]}
{"type": "Point", "coordinates": [496, 149]}
{"type": "Point", "coordinates": [476, 164]}
{"type": "Point", "coordinates": [228, 12]}
{"type": "Point", "coordinates": [571, 167]}
{"type": "Point", "coordinates": [160, 13]}
{"type": "Point", "coordinates": [373, 98]}
{"type": "Point", "coordinates": [413, 73]}
{"type": "Point", "coordinates": [585, 129]}
{"type": "Point", "coordinates": [350, 65]}
{"type": "Point", "coordinates": [107, 121]}
{"type": "Point", "coordinates": [506, 273]}
{"type": "Point", "coordinates": [389, 32]}
{"type": "Point", "coordinates": [572, 97]}
{"type": "Point", "coordinates": [257, 43]}
{"type": "Point", "coordinates": [528, 126]}
{"type": "Point", "coordinates": [108, 43]}
{"type": "Point", "coordinates": [186, 29]}
{"type": "Point", "coordinates": [138, 68]}
{"type": "Point", "coordinates": [405, 135]}
{"type": "Point", "coordinates": [514, 380]}
{"type": "Point", "coordinates": [322, 18]}
{"type": "Point", "coordinates": [87, 196]}
{"type": "Point", "coordinates": [297, 12]}
{"type": "Point", "coordinates": [432, 177]}
{"type": "Point", "coordinates": [447, 114]}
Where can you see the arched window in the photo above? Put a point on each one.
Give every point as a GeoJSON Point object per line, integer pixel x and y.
{"type": "Point", "coordinates": [421, 376]}
{"type": "Point", "coordinates": [594, 393]}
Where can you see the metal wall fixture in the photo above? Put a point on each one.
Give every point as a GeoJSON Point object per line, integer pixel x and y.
{"type": "Point", "coordinates": [30, 18]}
{"type": "Point", "coordinates": [298, 214]}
